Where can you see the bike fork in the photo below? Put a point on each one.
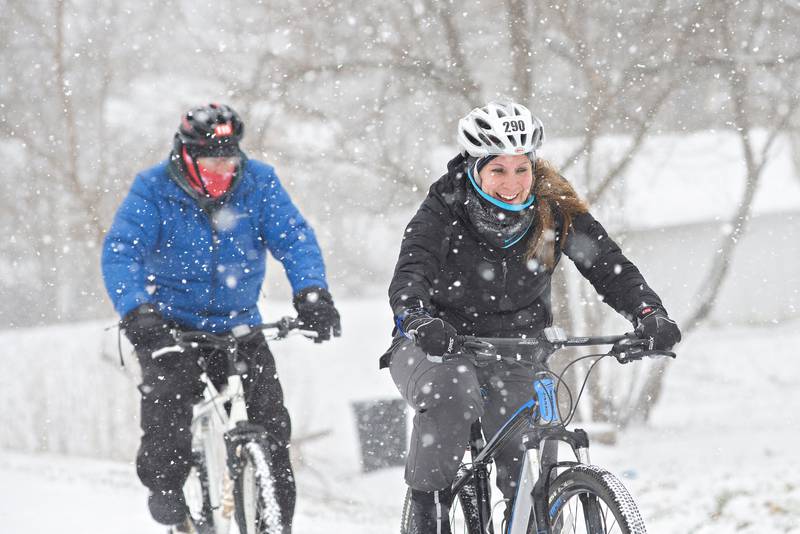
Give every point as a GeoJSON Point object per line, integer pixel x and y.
{"type": "Point", "coordinates": [530, 501]}
{"type": "Point", "coordinates": [482, 486]}
{"type": "Point", "coordinates": [523, 501]}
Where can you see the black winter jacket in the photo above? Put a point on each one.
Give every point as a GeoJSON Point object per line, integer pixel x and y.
{"type": "Point", "coordinates": [485, 291]}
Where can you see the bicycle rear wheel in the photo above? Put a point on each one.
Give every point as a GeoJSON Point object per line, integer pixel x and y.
{"type": "Point", "coordinates": [463, 512]}
{"type": "Point", "coordinates": [257, 508]}
{"type": "Point", "coordinates": [589, 499]}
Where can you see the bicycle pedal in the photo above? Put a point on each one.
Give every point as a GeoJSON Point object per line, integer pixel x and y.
{"type": "Point", "coordinates": [186, 527]}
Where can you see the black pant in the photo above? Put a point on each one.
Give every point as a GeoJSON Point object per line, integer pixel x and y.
{"type": "Point", "coordinates": [447, 398]}
{"type": "Point", "coordinates": [168, 392]}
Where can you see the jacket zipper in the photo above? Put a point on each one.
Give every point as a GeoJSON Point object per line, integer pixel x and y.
{"type": "Point", "coordinates": [213, 267]}
{"type": "Point", "coordinates": [505, 291]}
{"type": "Point", "coordinates": [214, 252]}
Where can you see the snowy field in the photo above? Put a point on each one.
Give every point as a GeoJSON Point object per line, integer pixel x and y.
{"type": "Point", "coordinates": [719, 456]}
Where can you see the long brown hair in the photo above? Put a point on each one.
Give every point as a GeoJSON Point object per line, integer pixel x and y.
{"type": "Point", "coordinates": [554, 197]}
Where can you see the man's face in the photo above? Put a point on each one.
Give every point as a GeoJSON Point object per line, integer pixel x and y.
{"type": "Point", "coordinates": [217, 173]}
{"type": "Point", "coordinates": [218, 165]}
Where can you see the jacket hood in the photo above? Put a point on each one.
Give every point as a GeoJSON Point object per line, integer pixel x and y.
{"type": "Point", "coordinates": [450, 187]}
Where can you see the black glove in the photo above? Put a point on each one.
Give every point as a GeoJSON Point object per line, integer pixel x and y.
{"type": "Point", "coordinates": [434, 336]}
{"type": "Point", "coordinates": [654, 324]}
{"type": "Point", "coordinates": [148, 331]}
{"type": "Point", "coordinates": [315, 311]}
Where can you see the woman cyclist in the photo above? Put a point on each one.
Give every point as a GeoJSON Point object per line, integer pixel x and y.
{"type": "Point", "coordinates": [478, 259]}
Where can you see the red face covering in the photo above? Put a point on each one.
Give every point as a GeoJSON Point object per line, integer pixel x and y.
{"type": "Point", "coordinates": [217, 183]}
{"type": "Point", "coordinates": [210, 183]}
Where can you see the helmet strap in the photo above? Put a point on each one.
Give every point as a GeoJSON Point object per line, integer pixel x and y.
{"type": "Point", "coordinates": [194, 171]}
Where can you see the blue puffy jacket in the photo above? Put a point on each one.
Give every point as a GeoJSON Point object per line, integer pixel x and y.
{"type": "Point", "coordinates": [205, 274]}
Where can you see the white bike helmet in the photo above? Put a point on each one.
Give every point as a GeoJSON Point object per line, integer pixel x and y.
{"type": "Point", "coordinates": [498, 128]}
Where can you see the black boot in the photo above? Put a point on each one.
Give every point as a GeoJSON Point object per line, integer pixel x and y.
{"type": "Point", "coordinates": [167, 507]}
{"type": "Point", "coordinates": [430, 511]}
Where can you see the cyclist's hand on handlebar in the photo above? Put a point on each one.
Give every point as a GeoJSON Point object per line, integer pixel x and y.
{"type": "Point", "coordinates": [634, 348]}
{"type": "Point", "coordinates": [316, 312]}
{"type": "Point", "coordinates": [653, 324]}
{"type": "Point", "coordinates": [148, 332]}
{"type": "Point", "coordinates": [436, 337]}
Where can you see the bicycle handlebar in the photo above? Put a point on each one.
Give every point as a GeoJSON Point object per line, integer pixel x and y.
{"type": "Point", "coordinates": [283, 328]}
{"type": "Point", "coordinates": [625, 348]}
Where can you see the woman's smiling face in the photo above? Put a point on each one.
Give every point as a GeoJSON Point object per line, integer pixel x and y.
{"type": "Point", "coordinates": [508, 178]}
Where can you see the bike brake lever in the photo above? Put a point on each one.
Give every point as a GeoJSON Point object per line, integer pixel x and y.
{"type": "Point", "coordinates": [283, 334]}
{"type": "Point", "coordinates": [628, 356]}
{"type": "Point", "coordinates": [307, 333]}
{"type": "Point", "coordinates": [629, 349]}
{"type": "Point", "coordinates": [481, 353]}
{"type": "Point", "coordinates": [166, 350]}
{"type": "Point", "coordinates": [638, 353]}
{"type": "Point", "coordinates": [484, 352]}
{"type": "Point", "coordinates": [657, 354]}
{"type": "Point", "coordinates": [479, 347]}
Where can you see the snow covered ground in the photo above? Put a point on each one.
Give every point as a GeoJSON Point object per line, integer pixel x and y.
{"type": "Point", "coordinates": [719, 456]}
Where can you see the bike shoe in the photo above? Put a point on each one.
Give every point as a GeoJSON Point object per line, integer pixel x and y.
{"type": "Point", "coordinates": [168, 507]}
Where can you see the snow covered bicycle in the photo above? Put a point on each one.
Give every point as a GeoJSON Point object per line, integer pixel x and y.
{"type": "Point", "coordinates": [230, 487]}
{"type": "Point", "coordinates": [552, 496]}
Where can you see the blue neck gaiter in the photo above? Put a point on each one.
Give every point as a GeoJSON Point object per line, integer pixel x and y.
{"type": "Point", "coordinates": [500, 223]}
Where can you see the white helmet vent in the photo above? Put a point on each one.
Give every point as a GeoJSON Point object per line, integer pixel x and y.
{"type": "Point", "coordinates": [502, 127]}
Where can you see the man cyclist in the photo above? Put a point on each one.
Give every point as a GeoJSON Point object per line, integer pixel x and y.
{"type": "Point", "coordinates": [187, 250]}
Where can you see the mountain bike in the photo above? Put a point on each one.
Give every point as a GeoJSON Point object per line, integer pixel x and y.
{"type": "Point", "coordinates": [552, 496]}
{"type": "Point", "coordinates": [230, 487]}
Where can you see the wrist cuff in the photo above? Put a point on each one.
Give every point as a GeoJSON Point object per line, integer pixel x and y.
{"type": "Point", "coordinates": [320, 295]}
{"type": "Point", "coordinates": [139, 311]}
{"type": "Point", "coordinates": [648, 309]}
{"type": "Point", "coordinates": [412, 312]}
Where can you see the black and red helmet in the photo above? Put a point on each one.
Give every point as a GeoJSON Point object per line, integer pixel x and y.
{"type": "Point", "coordinates": [210, 129]}
{"type": "Point", "coordinates": [213, 130]}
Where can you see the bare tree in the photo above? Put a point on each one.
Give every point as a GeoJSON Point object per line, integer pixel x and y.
{"type": "Point", "coordinates": [627, 74]}
{"type": "Point", "coordinates": [341, 96]}
{"type": "Point", "coordinates": [58, 113]}
{"type": "Point", "coordinates": [762, 81]}
{"type": "Point", "coordinates": [691, 57]}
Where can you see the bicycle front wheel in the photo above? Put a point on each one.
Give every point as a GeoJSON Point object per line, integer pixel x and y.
{"type": "Point", "coordinates": [257, 508]}
{"type": "Point", "coordinates": [589, 499]}
{"type": "Point", "coordinates": [205, 489]}
{"type": "Point", "coordinates": [196, 493]}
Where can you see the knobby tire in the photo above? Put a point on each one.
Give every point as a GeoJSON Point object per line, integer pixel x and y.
{"type": "Point", "coordinates": [196, 493]}
{"type": "Point", "coordinates": [257, 508]}
{"type": "Point", "coordinates": [589, 499]}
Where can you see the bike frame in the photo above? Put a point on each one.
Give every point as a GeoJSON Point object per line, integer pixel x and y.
{"type": "Point", "coordinates": [237, 430]}
{"type": "Point", "coordinates": [540, 416]}
{"type": "Point", "coordinates": [539, 458]}
{"type": "Point", "coordinates": [211, 425]}
{"type": "Point", "coordinates": [215, 400]}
